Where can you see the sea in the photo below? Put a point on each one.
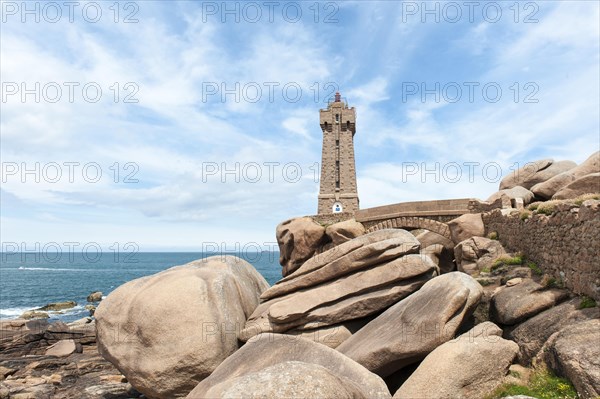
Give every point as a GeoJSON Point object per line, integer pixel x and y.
{"type": "Point", "coordinates": [32, 280]}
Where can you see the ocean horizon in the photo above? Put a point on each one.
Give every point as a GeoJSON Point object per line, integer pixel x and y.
{"type": "Point", "coordinates": [31, 280]}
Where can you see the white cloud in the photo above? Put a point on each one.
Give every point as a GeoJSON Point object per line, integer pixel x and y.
{"type": "Point", "coordinates": [173, 130]}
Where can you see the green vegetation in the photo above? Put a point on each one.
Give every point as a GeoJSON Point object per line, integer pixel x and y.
{"type": "Point", "coordinates": [518, 259]}
{"type": "Point", "coordinates": [484, 283]}
{"type": "Point", "coordinates": [547, 208]}
{"type": "Point", "coordinates": [579, 200]}
{"type": "Point", "coordinates": [542, 385]}
{"type": "Point", "coordinates": [586, 302]}
{"type": "Point", "coordinates": [493, 235]}
{"type": "Point", "coordinates": [534, 268]}
{"type": "Point", "coordinates": [551, 282]}
{"type": "Point", "coordinates": [525, 215]}
{"type": "Point", "coordinates": [515, 374]}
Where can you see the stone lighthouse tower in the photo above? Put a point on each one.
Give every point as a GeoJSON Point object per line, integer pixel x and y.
{"type": "Point", "coordinates": [338, 191]}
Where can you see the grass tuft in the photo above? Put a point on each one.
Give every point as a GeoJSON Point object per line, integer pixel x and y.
{"type": "Point", "coordinates": [518, 259]}
{"type": "Point", "coordinates": [515, 374]}
{"type": "Point", "coordinates": [580, 200]}
{"type": "Point", "coordinates": [586, 302]}
{"type": "Point", "coordinates": [552, 282]}
{"type": "Point", "coordinates": [547, 208]}
{"type": "Point", "coordinates": [542, 385]}
{"type": "Point", "coordinates": [534, 268]}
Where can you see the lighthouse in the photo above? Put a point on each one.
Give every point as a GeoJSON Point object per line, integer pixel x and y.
{"type": "Point", "coordinates": [338, 192]}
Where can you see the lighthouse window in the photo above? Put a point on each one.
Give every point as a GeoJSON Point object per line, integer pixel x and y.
{"type": "Point", "coordinates": [325, 125]}
{"type": "Point", "coordinates": [337, 143]}
{"type": "Point", "coordinates": [337, 118]}
{"type": "Point", "coordinates": [348, 125]}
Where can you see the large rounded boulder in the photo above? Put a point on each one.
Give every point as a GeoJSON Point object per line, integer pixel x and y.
{"type": "Point", "coordinates": [281, 366]}
{"type": "Point", "coordinates": [298, 240]}
{"type": "Point", "coordinates": [535, 172]}
{"type": "Point", "coordinates": [439, 248]}
{"type": "Point", "coordinates": [342, 232]}
{"type": "Point", "coordinates": [513, 193]}
{"type": "Point", "coordinates": [477, 253]}
{"type": "Point", "coordinates": [551, 186]}
{"type": "Point", "coordinates": [574, 353]}
{"type": "Point", "coordinates": [466, 226]}
{"type": "Point", "coordinates": [409, 330]}
{"type": "Point", "coordinates": [169, 331]}
{"type": "Point", "coordinates": [480, 356]}
{"type": "Point", "coordinates": [514, 304]}
{"type": "Point", "coordinates": [588, 184]}
{"type": "Point", "coordinates": [356, 279]}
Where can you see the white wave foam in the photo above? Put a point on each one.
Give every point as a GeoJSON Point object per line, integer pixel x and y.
{"type": "Point", "coordinates": [66, 312]}
{"type": "Point", "coordinates": [54, 269]}
{"type": "Point", "coordinates": [69, 314]}
{"type": "Point", "coordinates": [15, 313]}
{"type": "Point", "coordinates": [12, 313]}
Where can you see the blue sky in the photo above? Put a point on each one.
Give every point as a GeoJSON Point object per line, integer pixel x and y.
{"type": "Point", "coordinates": [174, 143]}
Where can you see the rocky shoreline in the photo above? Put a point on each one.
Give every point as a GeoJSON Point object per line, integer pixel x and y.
{"type": "Point", "coordinates": [357, 314]}
{"type": "Point", "coordinates": [56, 360]}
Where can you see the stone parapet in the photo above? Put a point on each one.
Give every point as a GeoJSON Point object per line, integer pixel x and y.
{"type": "Point", "coordinates": [332, 218]}
{"type": "Point", "coordinates": [477, 206]}
{"type": "Point", "coordinates": [448, 209]}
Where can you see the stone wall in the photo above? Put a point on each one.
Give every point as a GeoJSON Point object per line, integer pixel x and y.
{"type": "Point", "coordinates": [477, 206]}
{"type": "Point", "coordinates": [565, 245]}
{"type": "Point", "coordinates": [327, 219]}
